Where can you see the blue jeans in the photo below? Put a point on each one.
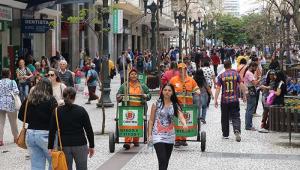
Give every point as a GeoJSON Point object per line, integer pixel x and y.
{"type": "Point", "coordinates": [201, 102]}
{"type": "Point", "coordinates": [37, 144]}
{"type": "Point", "coordinates": [204, 100]}
{"type": "Point", "coordinates": [24, 89]}
{"type": "Point", "coordinates": [251, 103]}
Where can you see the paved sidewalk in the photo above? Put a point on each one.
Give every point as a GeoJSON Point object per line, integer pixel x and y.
{"type": "Point", "coordinates": [255, 151]}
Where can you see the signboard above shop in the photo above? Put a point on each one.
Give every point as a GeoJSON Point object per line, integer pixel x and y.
{"type": "Point", "coordinates": [5, 13]}
{"type": "Point", "coordinates": [35, 25]}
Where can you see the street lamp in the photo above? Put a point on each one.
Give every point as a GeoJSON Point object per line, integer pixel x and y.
{"type": "Point", "coordinates": [105, 95]}
{"type": "Point", "coordinates": [202, 27]}
{"type": "Point", "coordinates": [153, 8]}
{"type": "Point", "coordinates": [214, 33]}
{"type": "Point", "coordinates": [285, 12]}
{"type": "Point", "coordinates": [180, 18]}
{"type": "Point", "coordinates": [194, 23]}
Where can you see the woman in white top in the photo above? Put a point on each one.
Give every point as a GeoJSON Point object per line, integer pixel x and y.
{"type": "Point", "coordinates": [161, 126]}
{"type": "Point", "coordinates": [7, 104]}
{"type": "Point", "coordinates": [57, 86]}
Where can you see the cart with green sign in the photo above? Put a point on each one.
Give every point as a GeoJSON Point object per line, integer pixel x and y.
{"type": "Point", "coordinates": [131, 121]}
{"type": "Point", "coordinates": [194, 126]}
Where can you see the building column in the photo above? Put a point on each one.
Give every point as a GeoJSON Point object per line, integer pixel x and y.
{"type": "Point", "coordinates": [58, 30]}
{"type": "Point", "coordinates": [74, 40]}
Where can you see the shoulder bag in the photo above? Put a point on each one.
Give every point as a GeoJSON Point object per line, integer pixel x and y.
{"type": "Point", "coordinates": [59, 161]}
{"type": "Point", "coordinates": [22, 135]}
{"type": "Point", "coordinates": [16, 98]}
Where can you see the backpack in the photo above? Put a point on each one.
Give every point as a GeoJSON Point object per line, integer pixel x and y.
{"type": "Point", "coordinates": [93, 76]}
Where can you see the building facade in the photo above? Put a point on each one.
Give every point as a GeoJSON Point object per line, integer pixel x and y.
{"type": "Point", "coordinates": [231, 7]}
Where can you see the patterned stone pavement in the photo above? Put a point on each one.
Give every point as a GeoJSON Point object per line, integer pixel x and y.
{"type": "Point", "coordinates": [255, 151]}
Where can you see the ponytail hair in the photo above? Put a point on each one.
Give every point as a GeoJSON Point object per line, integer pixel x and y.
{"type": "Point", "coordinates": [69, 95]}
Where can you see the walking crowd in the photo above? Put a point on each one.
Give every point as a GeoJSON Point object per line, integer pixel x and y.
{"type": "Point", "coordinates": [47, 90]}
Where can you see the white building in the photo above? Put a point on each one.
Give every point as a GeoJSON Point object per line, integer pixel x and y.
{"type": "Point", "coordinates": [231, 7]}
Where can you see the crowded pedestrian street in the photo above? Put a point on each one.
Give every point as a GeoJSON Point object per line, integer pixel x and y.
{"type": "Point", "coordinates": [255, 151]}
{"type": "Point", "coordinates": [149, 84]}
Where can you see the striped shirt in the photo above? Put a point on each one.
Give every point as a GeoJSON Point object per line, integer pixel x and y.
{"type": "Point", "coordinates": [229, 81]}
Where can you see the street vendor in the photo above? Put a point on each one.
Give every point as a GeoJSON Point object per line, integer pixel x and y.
{"type": "Point", "coordinates": [138, 95]}
{"type": "Point", "coordinates": [185, 86]}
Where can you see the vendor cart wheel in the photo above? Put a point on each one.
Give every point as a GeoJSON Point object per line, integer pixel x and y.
{"type": "Point", "coordinates": [203, 141]}
{"type": "Point", "coordinates": [199, 129]}
{"type": "Point", "coordinates": [111, 142]}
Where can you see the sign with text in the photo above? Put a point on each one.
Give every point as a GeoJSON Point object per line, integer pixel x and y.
{"type": "Point", "coordinates": [190, 114]}
{"type": "Point", "coordinates": [131, 121]}
{"type": "Point", "coordinates": [5, 13]}
{"type": "Point", "coordinates": [35, 25]}
{"type": "Point", "coordinates": [117, 21]}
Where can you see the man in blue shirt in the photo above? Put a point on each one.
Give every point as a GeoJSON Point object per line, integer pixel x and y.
{"type": "Point", "coordinates": [91, 82]}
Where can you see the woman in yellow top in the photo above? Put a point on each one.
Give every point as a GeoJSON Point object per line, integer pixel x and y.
{"type": "Point", "coordinates": [138, 96]}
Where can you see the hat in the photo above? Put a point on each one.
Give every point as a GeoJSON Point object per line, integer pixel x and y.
{"type": "Point", "coordinates": [181, 65]}
{"type": "Point", "coordinates": [132, 70]}
{"type": "Point", "coordinates": [93, 65]}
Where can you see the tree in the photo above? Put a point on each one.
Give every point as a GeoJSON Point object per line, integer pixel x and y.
{"type": "Point", "coordinates": [229, 29]}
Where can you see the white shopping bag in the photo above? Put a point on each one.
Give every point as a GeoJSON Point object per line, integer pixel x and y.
{"type": "Point", "coordinates": [86, 92]}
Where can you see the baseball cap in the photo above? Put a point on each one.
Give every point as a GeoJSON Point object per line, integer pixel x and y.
{"type": "Point", "coordinates": [181, 65]}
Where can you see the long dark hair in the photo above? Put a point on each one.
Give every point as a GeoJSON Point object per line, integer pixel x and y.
{"type": "Point", "coordinates": [42, 92]}
{"type": "Point", "coordinates": [174, 99]}
{"type": "Point", "coordinates": [280, 77]}
{"type": "Point", "coordinates": [69, 95]}
{"type": "Point", "coordinates": [199, 78]}
{"type": "Point", "coordinates": [252, 64]}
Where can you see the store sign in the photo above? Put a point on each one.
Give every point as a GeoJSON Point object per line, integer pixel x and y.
{"type": "Point", "coordinates": [5, 13]}
{"type": "Point", "coordinates": [117, 21]}
{"type": "Point", "coordinates": [35, 25]}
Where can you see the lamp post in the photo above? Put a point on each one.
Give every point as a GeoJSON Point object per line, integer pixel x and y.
{"type": "Point", "coordinates": [105, 79]}
{"type": "Point", "coordinates": [153, 8]}
{"type": "Point", "coordinates": [194, 23]}
{"type": "Point", "coordinates": [214, 33]}
{"type": "Point", "coordinates": [180, 18]}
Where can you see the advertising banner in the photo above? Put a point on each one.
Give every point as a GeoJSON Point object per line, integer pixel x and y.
{"type": "Point", "coordinates": [117, 21]}
{"type": "Point", "coordinates": [5, 13]}
{"type": "Point", "coordinates": [131, 121]}
{"type": "Point", "coordinates": [190, 114]}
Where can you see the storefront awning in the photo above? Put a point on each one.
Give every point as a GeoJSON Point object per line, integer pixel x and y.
{"type": "Point", "coordinates": [129, 8]}
{"type": "Point", "coordinates": [13, 4]}
{"type": "Point", "coordinates": [50, 12]}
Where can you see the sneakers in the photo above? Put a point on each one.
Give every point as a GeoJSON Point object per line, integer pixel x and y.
{"type": "Point", "coordinates": [177, 144]}
{"type": "Point", "coordinates": [203, 121]}
{"type": "Point", "coordinates": [183, 143]}
{"type": "Point", "coordinates": [252, 129]}
{"type": "Point", "coordinates": [237, 136]}
{"type": "Point", "coordinates": [126, 146]}
{"type": "Point", "coordinates": [263, 130]}
{"type": "Point", "coordinates": [225, 137]}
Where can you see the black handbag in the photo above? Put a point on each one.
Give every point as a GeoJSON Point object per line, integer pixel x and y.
{"type": "Point", "coordinates": [252, 91]}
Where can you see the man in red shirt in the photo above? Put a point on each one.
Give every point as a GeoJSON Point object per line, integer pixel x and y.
{"type": "Point", "coordinates": [215, 61]}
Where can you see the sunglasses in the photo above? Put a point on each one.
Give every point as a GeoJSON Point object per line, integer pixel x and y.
{"type": "Point", "coordinates": [52, 75]}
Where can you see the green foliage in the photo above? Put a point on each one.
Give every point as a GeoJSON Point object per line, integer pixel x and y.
{"type": "Point", "coordinates": [250, 29]}
{"type": "Point", "coordinates": [228, 29]}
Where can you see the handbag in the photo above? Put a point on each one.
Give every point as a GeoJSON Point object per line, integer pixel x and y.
{"type": "Point", "coordinates": [59, 161]}
{"type": "Point", "coordinates": [271, 97]}
{"type": "Point", "coordinates": [17, 99]}
{"type": "Point", "coordinates": [22, 135]}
